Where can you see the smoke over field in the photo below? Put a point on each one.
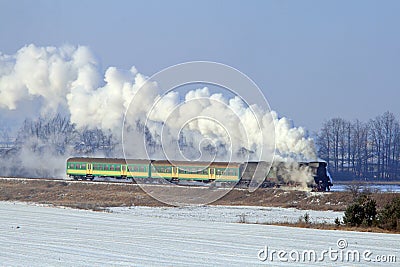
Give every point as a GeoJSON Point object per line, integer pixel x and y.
{"type": "Point", "coordinates": [68, 106]}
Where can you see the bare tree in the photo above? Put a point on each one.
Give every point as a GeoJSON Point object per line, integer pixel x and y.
{"type": "Point", "coordinates": [363, 150]}
{"type": "Point", "coordinates": [359, 148]}
{"type": "Point", "coordinates": [56, 133]}
{"type": "Point", "coordinates": [95, 140]}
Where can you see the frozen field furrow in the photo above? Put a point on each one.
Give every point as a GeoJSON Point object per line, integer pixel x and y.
{"type": "Point", "coordinates": [38, 236]}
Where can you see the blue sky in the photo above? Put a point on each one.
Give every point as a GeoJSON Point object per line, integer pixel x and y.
{"type": "Point", "coordinates": [314, 60]}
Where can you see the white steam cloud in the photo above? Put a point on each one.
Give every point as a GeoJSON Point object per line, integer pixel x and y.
{"type": "Point", "coordinates": [68, 79]}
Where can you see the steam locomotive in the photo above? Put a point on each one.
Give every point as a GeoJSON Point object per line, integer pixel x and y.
{"type": "Point", "coordinates": [314, 174]}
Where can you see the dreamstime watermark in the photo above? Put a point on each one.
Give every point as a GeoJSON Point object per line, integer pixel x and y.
{"type": "Point", "coordinates": [340, 253]}
{"type": "Point", "coordinates": [158, 121]}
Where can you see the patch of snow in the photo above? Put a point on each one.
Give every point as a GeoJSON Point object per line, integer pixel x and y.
{"type": "Point", "coordinates": [230, 214]}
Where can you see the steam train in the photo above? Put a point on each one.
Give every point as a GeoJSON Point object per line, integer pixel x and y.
{"type": "Point", "coordinates": [222, 173]}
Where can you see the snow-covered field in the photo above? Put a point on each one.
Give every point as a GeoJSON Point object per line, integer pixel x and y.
{"type": "Point", "coordinates": [32, 235]}
{"type": "Point", "coordinates": [231, 214]}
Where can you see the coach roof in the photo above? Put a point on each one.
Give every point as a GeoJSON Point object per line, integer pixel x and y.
{"type": "Point", "coordinates": [109, 160]}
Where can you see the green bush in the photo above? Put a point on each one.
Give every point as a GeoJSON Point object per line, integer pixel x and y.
{"type": "Point", "coordinates": [389, 217]}
{"type": "Point", "coordinates": [362, 212]}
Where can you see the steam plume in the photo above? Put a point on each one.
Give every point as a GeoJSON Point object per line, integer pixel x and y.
{"type": "Point", "coordinates": [68, 79]}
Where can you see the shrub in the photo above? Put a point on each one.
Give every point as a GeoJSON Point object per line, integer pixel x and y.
{"type": "Point", "coordinates": [362, 212]}
{"type": "Point", "coordinates": [389, 217]}
{"type": "Point", "coordinates": [337, 221]}
{"type": "Point", "coordinates": [354, 188]}
{"type": "Point", "coordinates": [242, 218]}
{"type": "Point", "coordinates": [305, 218]}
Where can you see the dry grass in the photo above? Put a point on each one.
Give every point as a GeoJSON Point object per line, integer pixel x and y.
{"type": "Point", "coordinates": [96, 196]}
{"type": "Point", "coordinates": [76, 195]}
{"type": "Point", "coordinates": [324, 226]}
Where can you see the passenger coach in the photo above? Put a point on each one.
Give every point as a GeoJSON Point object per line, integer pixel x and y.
{"type": "Point", "coordinates": [88, 168]}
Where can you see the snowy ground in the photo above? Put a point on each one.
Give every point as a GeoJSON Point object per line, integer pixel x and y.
{"type": "Point", "coordinates": [40, 236]}
{"type": "Point", "coordinates": [384, 188]}
{"type": "Point", "coordinates": [231, 213]}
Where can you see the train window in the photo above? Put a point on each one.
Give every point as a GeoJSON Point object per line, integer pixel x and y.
{"type": "Point", "coordinates": [111, 167]}
{"type": "Point", "coordinates": [106, 167]}
{"type": "Point", "coordinates": [118, 168]}
{"type": "Point", "coordinates": [83, 166]}
{"type": "Point", "coordinates": [71, 166]}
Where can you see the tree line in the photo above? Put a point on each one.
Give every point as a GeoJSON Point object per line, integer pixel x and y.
{"type": "Point", "coordinates": [361, 150]}
{"type": "Point", "coordinates": [353, 149]}
{"type": "Point", "coordinates": [41, 146]}
{"type": "Point", "coordinates": [58, 135]}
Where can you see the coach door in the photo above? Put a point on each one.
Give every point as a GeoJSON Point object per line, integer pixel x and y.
{"type": "Point", "coordinates": [89, 169]}
{"type": "Point", "coordinates": [123, 170]}
{"type": "Point", "coordinates": [174, 171]}
{"type": "Point", "coordinates": [212, 174]}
